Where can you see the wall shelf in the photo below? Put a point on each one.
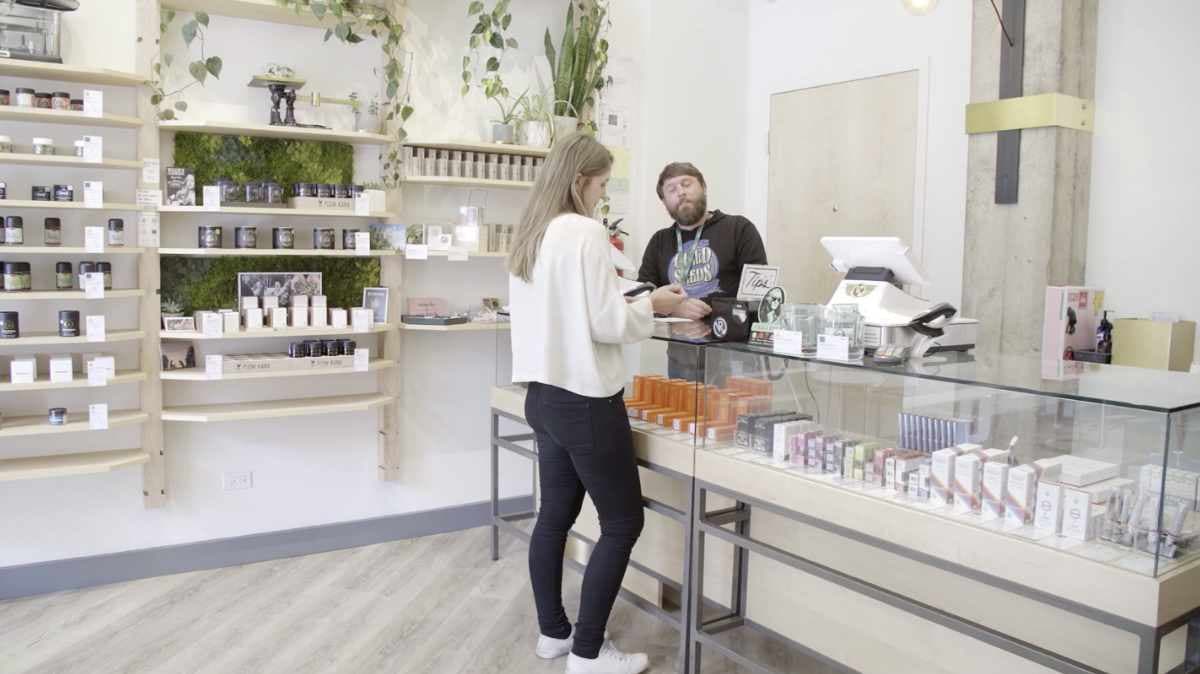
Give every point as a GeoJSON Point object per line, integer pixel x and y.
{"type": "Point", "coordinates": [44, 116]}
{"type": "Point", "coordinates": [67, 73]}
{"type": "Point", "coordinates": [62, 465]}
{"type": "Point", "coordinates": [67, 205]}
{"type": "Point", "coordinates": [269, 333]}
{"type": "Point", "coordinates": [30, 295]}
{"type": "Point", "coordinates": [77, 422]}
{"type": "Point", "coordinates": [257, 10]}
{"type": "Point", "coordinates": [470, 256]}
{"type": "Point", "coordinates": [498, 148]}
{"type": "Point", "coordinates": [267, 252]}
{"type": "Point", "coordinates": [198, 374]}
{"type": "Point", "coordinates": [268, 131]}
{"type": "Point", "coordinates": [461, 327]}
{"type": "Point", "coordinates": [5, 251]}
{"type": "Point", "coordinates": [67, 161]}
{"type": "Point", "coordinates": [272, 212]}
{"type": "Point", "coordinates": [43, 384]}
{"type": "Point", "coordinates": [274, 409]}
{"type": "Point", "coordinates": [444, 181]}
{"type": "Point", "coordinates": [52, 339]}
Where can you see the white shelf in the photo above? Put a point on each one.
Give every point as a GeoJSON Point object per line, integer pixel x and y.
{"type": "Point", "coordinates": [268, 252]}
{"type": "Point", "coordinates": [67, 161]}
{"type": "Point", "coordinates": [52, 339]}
{"type": "Point", "coordinates": [273, 409]}
{"type": "Point", "coordinates": [20, 251]}
{"type": "Point", "coordinates": [66, 205]}
{"type": "Point", "coordinates": [67, 73]}
{"type": "Point", "coordinates": [77, 422]}
{"type": "Point", "coordinates": [198, 374]}
{"type": "Point", "coordinates": [258, 10]}
{"type": "Point", "coordinates": [268, 333]}
{"type": "Point", "coordinates": [44, 116]}
{"type": "Point", "coordinates": [498, 148]}
{"type": "Point", "coordinates": [461, 327]}
{"type": "Point", "coordinates": [63, 465]}
{"type": "Point", "coordinates": [30, 295]}
{"type": "Point", "coordinates": [470, 256]}
{"type": "Point", "coordinates": [41, 384]}
{"type": "Point", "coordinates": [272, 212]}
{"type": "Point", "coordinates": [444, 181]}
{"type": "Point", "coordinates": [268, 131]}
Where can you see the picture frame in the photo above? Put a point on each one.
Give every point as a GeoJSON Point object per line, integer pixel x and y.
{"type": "Point", "coordinates": [178, 356]}
{"type": "Point", "coordinates": [179, 323]}
{"type": "Point", "coordinates": [756, 280]}
{"type": "Point", "coordinates": [283, 285]}
{"type": "Point", "coordinates": [376, 299]}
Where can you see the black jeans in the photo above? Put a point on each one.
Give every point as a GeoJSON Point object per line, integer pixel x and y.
{"type": "Point", "coordinates": [584, 445]}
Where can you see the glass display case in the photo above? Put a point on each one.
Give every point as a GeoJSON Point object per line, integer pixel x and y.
{"type": "Point", "coordinates": [1101, 462]}
{"type": "Point", "coordinates": [31, 33]}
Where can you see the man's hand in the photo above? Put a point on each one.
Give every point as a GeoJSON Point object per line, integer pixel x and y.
{"type": "Point", "coordinates": [692, 309]}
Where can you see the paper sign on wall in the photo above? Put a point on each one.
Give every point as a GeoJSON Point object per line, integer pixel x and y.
{"type": "Point", "coordinates": [98, 416]}
{"type": "Point", "coordinates": [93, 286]}
{"type": "Point", "coordinates": [149, 198]}
{"type": "Point", "coordinates": [101, 369]}
{"type": "Point", "coordinates": [93, 239]}
{"type": "Point", "coordinates": [93, 149]}
{"type": "Point", "coordinates": [96, 329]}
{"type": "Point", "coordinates": [148, 229]}
{"type": "Point", "coordinates": [362, 243]}
{"type": "Point", "coordinates": [362, 204]}
{"type": "Point", "coordinates": [362, 359]}
{"type": "Point", "coordinates": [93, 102]}
{"type": "Point", "coordinates": [93, 194]}
{"type": "Point", "coordinates": [414, 251]}
{"type": "Point", "coordinates": [212, 198]}
{"type": "Point", "coordinates": [151, 169]}
{"type": "Point", "coordinates": [214, 366]}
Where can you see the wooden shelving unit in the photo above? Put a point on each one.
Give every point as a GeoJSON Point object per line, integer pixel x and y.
{"type": "Point", "coordinates": [470, 256]}
{"type": "Point", "coordinates": [67, 161]}
{"type": "Point", "coordinates": [462, 327]}
{"type": "Point", "coordinates": [77, 422]}
{"type": "Point", "coordinates": [267, 252]}
{"type": "Point", "coordinates": [271, 212]}
{"type": "Point", "coordinates": [37, 295]}
{"type": "Point", "coordinates": [52, 339]}
{"type": "Point", "coordinates": [268, 131]}
{"type": "Point", "coordinates": [13, 113]}
{"type": "Point", "coordinates": [199, 375]}
{"type": "Point", "coordinates": [467, 146]}
{"type": "Point", "coordinates": [65, 251]}
{"type": "Point", "coordinates": [444, 181]}
{"type": "Point", "coordinates": [67, 205]}
{"type": "Point", "coordinates": [271, 334]}
{"type": "Point", "coordinates": [64, 465]}
{"type": "Point", "coordinates": [43, 384]}
{"type": "Point", "coordinates": [274, 409]}
{"type": "Point", "coordinates": [68, 73]}
{"type": "Point", "coordinates": [257, 10]}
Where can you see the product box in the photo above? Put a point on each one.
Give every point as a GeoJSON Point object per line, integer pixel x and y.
{"type": "Point", "coordinates": [1162, 345]}
{"type": "Point", "coordinates": [1070, 320]}
{"type": "Point", "coordinates": [941, 478]}
{"type": "Point", "coordinates": [968, 483]}
{"type": "Point", "coordinates": [1048, 469]}
{"type": "Point", "coordinates": [995, 488]}
{"type": "Point", "coordinates": [814, 452]}
{"type": "Point", "coordinates": [1049, 507]}
{"type": "Point", "coordinates": [62, 369]}
{"type": "Point", "coordinates": [278, 318]}
{"type": "Point", "coordinates": [1181, 484]}
{"type": "Point", "coordinates": [1080, 472]}
{"type": "Point", "coordinates": [889, 472]}
{"type": "Point", "coordinates": [785, 434]}
{"type": "Point", "coordinates": [744, 435]}
{"type": "Point", "coordinates": [848, 452]}
{"type": "Point", "coordinates": [180, 186]}
{"type": "Point", "coordinates": [253, 318]}
{"type": "Point", "coordinates": [299, 317]}
{"type": "Point", "coordinates": [1077, 515]}
{"type": "Point", "coordinates": [299, 302]}
{"type": "Point", "coordinates": [996, 455]}
{"type": "Point", "coordinates": [90, 358]}
{"type": "Point", "coordinates": [1100, 492]}
{"type": "Point", "coordinates": [338, 318]}
{"type": "Point", "coordinates": [834, 447]}
{"type": "Point", "coordinates": [763, 440]}
{"type": "Point", "coordinates": [317, 301]}
{"type": "Point", "coordinates": [923, 475]}
{"type": "Point", "coordinates": [318, 317]}
{"type": "Point", "coordinates": [1021, 495]}
{"type": "Point", "coordinates": [362, 317]}
{"type": "Point", "coordinates": [231, 321]}
{"type": "Point", "coordinates": [249, 303]}
{"type": "Point", "coordinates": [22, 370]}
{"type": "Point", "coordinates": [875, 472]}
{"type": "Point", "coordinates": [270, 302]}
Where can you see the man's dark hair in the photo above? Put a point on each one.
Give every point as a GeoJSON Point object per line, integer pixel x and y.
{"type": "Point", "coordinates": [676, 169]}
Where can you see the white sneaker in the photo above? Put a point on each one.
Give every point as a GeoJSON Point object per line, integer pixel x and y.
{"type": "Point", "coordinates": [549, 648]}
{"type": "Point", "coordinates": [610, 661]}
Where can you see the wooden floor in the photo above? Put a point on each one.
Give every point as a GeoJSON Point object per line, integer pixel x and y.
{"type": "Point", "coordinates": [435, 604]}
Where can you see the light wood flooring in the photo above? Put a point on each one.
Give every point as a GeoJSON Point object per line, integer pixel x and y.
{"type": "Point", "coordinates": [436, 604]}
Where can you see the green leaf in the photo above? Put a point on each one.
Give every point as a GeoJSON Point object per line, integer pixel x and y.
{"type": "Point", "coordinates": [392, 88]}
{"type": "Point", "coordinates": [466, 62]}
{"type": "Point", "coordinates": [474, 42]}
{"type": "Point", "coordinates": [497, 41]}
{"type": "Point", "coordinates": [189, 31]}
{"type": "Point", "coordinates": [466, 89]}
{"type": "Point", "coordinates": [466, 76]}
{"type": "Point", "coordinates": [214, 65]}
{"type": "Point", "coordinates": [155, 99]}
{"type": "Point", "coordinates": [328, 34]}
{"type": "Point", "coordinates": [202, 18]}
{"type": "Point", "coordinates": [478, 29]}
{"type": "Point", "coordinates": [493, 64]}
{"type": "Point", "coordinates": [166, 114]}
{"type": "Point", "coordinates": [551, 57]}
{"type": "Point", "coordinates": [406, 112]}
{"type": "Point", "coordinates": [485, 20]}
{"type": "Point", "coordinates": [475, 7]}
{"type": "Point", "coordinates": [506, 21]}
{"type": "Point", "coordinates": [501, 8]}
{"type": "Point", "coordinates": [198, 70]}
{"type": "Point", "coordinates": [168, 59]}
{"type": "Point", "coordinates": [168, 15]}
{"type": "Point", "coordinates": [181, 106]}
{"type": "Point", "coordinates": [318, 9]}
{"type": "Point", "coordinates": [342, 30]}
{"type": "Point", "coordinates": [511, 43]}
{"type": "Point", "coordinates": [354, 38]}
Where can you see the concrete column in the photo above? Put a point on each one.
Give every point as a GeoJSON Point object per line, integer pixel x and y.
{"type": "Point", "coordinates": [1012, 252]}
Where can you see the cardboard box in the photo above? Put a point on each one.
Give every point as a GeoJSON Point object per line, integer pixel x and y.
{"type": "Point", "coordinates": [1162, 345]}
{"type": "Point", "coordinates": [995, 489]}
{"type": "Point", "coordinates": [941, 478]}
{"type": "Point", "coordinates": [1071, 316]}
{"type": "Point", "coordinates": [1049, 507]}
{"type": "Point", "coordinates": [968, 483]}
{"type": "Point", "coordinates": [1021, 495]}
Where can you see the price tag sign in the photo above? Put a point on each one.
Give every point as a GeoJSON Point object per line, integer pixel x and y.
{"type": "Point", "coordinates": [93, 102]}
{"type": "Point", "coordinates": [457, 255]}
{"type": "Point", "coordinates": [214, 366]}
{"type": "Point", "coordinates": [93, 194]}
{"type": "Point", "coordinates": [101, 370]}
{"type": "Point", "coordinates": [22, 370]}
{"type": "Point", "coordinates": [61, 370]}
{"type": "Point", "coordinates": [362, 205]}
{"type": "Point", "coordinates": [98, 416]}
{"type": "Point", "coordinates": [93, 239]}
{"type": "Point", "coordinates": [832, 347]}
{"type": "Point", "coordinates": [148, 229]}
{"type": "Point", "coordinates": [151, 169]}
{"type": "Point", "coordinates": [361, 321]}
{"type": "Point", "coordinates": [414, 251]}
{"type": "Point", "coordinates": [212, 325]}
{"type": "Point", "coordinates": [149, 198]}
{"type": "Point", "coordinates": [212, 198]}
{"type": "Point", "coordinates": [93, 149]}
{"type": "Point", "coordinates": [93, 286]}
{"type": "Point", "coordinates": [362, 243]}
{"type": "Point", "coordinates": [96, 329]}
{"type": "Point", "coordinates": [362, 359]}
{"type": "Point", "coordinates": [789, 342]}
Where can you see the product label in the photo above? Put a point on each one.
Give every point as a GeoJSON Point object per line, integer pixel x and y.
{"type": "Point", "coordinates": [149, 198]}
{"type": "Point", "coordinates": [362, 243]}
{"type": "Point", "coordinates": [93, 286]}
{"type": "Point", "coordinates": [362, 359]}
{"type": "Point", "coordinates": [22, 371]}
{"type": "Point", "coordinates": [414, 251]}
{"type": "Point", "coordinates": [833, 347]}
{"type": "Point", "coordinates": [151, 168]}
{"type": "Point", "coordinates": [98, 416]}
{"type": "Point", "coordinates": [789, 342]}
{"type": "Point", "coordinates": [362, 205]}
{"type": "Point", "coordinates": [93, 194]}
{"type": "Point", "coordinates": [212, 325]}
{"type": "Point", "coordinates": [214, 366]}
{"type": "Point", "coordinates": [93, 149]}
{"type": "Point", "coordinates": [148, 225]}
{"type": "Point", "coordinates": [61, 370]}
{"type": "Point", "coordinates": [212, 198]}
{"type": "Point", "coordinates": [101, 370]}
{"type": "Point", "coordinates": [361, 321]}
{"type": "Point", "coordinates": [96, 329]}
{"type": "Point", "coordinates": [93, 102]}
{"type": "Point", "coordinates": [93, 239]}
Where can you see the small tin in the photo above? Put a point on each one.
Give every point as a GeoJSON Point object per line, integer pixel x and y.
{"type": "Point", "coordinates": [85, 268]}
{"type": "Point", "coordinates": [348, 238]}
{"type": "Point", "coordinates": [326, 191]}
{"type": "Point", "coordinates": [283, 237]}
{"type": "Point", "coordinates": [57, 416]}
{"type": "Point", "coordinates": [64, 279]}
{"type": "Point", "coordinates": [210, 236]}
{"type": "Point", "coordinates": [77, 105]}
{"type": "Point", "coordinates": [105, 268]}
{"type": "Point", "coordinates": [316, 348]}
{"type": "Point", "coordinates": [253, 191]}
{"type": "Point", "coordinates": [298, 350]}
{"type": "Point", "coordinates": [24, 97]}
{"type": "Point", "coordinates": [341, 191]}
{"type": "Point", "coordinates": [272, 194]}
{"type": "Point", "coordinates": [116, 232]}
{"type": "Point", "coordinates": [68, 323]}
{"type": "Point", "coordinates": [17, 276]}
{"type": "Point", "coordinates": [333, 347]}
{"type": "Point", "coordinates": [43, 100]}
{"type": "Point", "coordinates": [64, 193]}
{"type": "Point", "coordinates": [40, 193]}
{"type": "Point", "coordinates": [324, 238]}
{"type": "Point", "coordinates": [60, 100]}
{"type": "Point", "coordinates": [43, 146]}
{"type": "Point", "coordinates": [348, 347]}
{"type": "Point", "coordinates": [245, 237]}
{"type": "Point", "coordinates": [14, 230]}
{"type": "Point", "coordinates": [52, 232]}
{"type": "Point", "coordinates": [10, 325]}
{"type": "Point", "coordinates": [304, 190]}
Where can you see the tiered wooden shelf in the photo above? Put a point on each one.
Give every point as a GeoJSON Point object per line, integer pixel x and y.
{"type": "Point", "coordinates": [257, 10]}
{"type": "Point", "coordinates": [43, 384]}
{"type": "Point", "coordinates": [198, 374]}
{"type": "Point", "coordinates": [444, 181]}
{"type": "Point", "coordinates": [268, 131]}
{"type": "Point", "coordinates": [274, 409]}
{"type": "Point", "coordinates": [271, 212]}
{"type": "Point", "coordinates": [498, 148]}
{"type": "Point", "coordinates": [64, 251]}
{"type": "Point", "coordinates": [271, 334]}
{"type": "Point", "coordinates": [77, 422]}
{"type": "Point", "coordinates": [13, 113]}
{"type": "Point", "coordinates": [462, 327]}
{"type": "Point", "coordinates": [52, 339]}
{"type": "Point", "coordinates": [268, 252]}
{"type": "Point", "coordinates": [68, 73]}
{"type": "Point", "coordinates": [67, 161]}
{"type": "Point", "coordinates": [64, 465]}
{"type": "Point", "coordinates": [67, 205]}
{"type": "Point", "coordinates": [37, 295]}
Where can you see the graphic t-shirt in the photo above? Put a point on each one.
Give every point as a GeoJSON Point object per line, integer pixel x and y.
{"type": "Point", "coordinates": [709, 266]}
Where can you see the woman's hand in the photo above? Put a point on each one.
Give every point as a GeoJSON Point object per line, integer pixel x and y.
{"type": "Point", "coordinates": [666, 299]}
{"type": "Point", "coordinates": [692, 309]}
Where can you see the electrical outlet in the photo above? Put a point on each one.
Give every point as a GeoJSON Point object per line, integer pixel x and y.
{"type": "Point", "coordinates": [235, 481]}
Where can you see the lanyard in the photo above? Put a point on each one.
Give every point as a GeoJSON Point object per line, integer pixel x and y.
{"type": "Point", "coordinates": [692, 257]}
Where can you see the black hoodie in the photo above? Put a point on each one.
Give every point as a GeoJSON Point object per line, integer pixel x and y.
{"type": "Point", "coordinates": [728, 243]}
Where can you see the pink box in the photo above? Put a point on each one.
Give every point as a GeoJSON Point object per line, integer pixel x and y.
{"type": "Point", "coordinates": [1072, 314]}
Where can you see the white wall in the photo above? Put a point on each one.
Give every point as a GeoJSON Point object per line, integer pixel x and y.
{"type": "Point", "coordinates": [797, 45]}
{"type": "Point", "coordinates": [1142, 236]}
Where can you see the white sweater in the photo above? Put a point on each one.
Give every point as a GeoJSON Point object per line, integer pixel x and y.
{"type": "Point", "coordinates": [569, 322]}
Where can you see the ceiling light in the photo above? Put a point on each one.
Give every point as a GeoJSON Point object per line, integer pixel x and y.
{"type": "Point", "coordinates": [919, 7]}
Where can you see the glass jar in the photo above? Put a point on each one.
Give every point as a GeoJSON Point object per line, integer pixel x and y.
{"type": "Point", "coordinates": [24, 97]}
{"type": "Point", "coordinates": [80, 148]}
{"type": "Point", "coordinates": [57, 415]}
{"type": "Point", "coordinates": [253, 192]}
{"type": "Point", "coordinates": [348, 347]}
{"type": "Point", "coordinates": [17, 276]}
{"type": "Point", "coordinates": [68, 323]}
{"type": "Point", "coordinates": [231, 193]}
{"type": "Point", "coordinates": [43, 101]}
{"type": "Point", "coordinates": [85, 268]}
{"type": "Point", "coordinates": [843, 320]}
{"type": "Point", "coordinates": [43, 146]}
{"type": "Point", "coordinates": [348, 238]}
{"type": "Point", "coordinates": [105, 268]}
{"type": "Point", "coordinates": [64, 193]}
{"type": "Point", "coordinates": [245, 237]}
{"type": "Point", "coordinates": [304, 190]}
{"type": "Point", "coordinates": [283, 238]}
{"type": "Point", "coordinates": [64, 279]}
{"type": "Point", "coordinates": [5, 97]}
{"type": "Point", "coordinates": [324, 238]}
{"type": "Point", "coordinates": [14, 230]}
{"type": "Point", "coordinates": [39, 193]}
{"type": "Point", "coordinates": [210, 236]}
{"type": "Point", "coordinates": [77, 105]}
{"type": "Point", "coordinates": [316, 348]}
{"type": "Point", "coordinates": [341, 191]}
{"type": "Point", "coordinates": [60, 100]}
{"type": "Point", "coordinates": [325, 191]}
{"type": "Point", "coordinates": [116, 232]}
{"type": "Point", "coordinates": [52, 232]}
{"type": "Point", "coordinates": [272, 194]}
{"type": "Point", "coordinates": [6, 144]}
{"type": "Point", "coordinates": [805, 319]}
{"type": "Point", "coordinates": [10, 325]}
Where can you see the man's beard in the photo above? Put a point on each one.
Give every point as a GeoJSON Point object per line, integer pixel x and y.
{"type": "Point", "coordinates": [689, 213]}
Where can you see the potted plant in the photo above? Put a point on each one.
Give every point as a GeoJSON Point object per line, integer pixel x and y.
{"type": "Point", "coordinates": [578, 65]}
{"type": "Point", "coordinates": [504, 130]}
{"type": "Point", "coordinates": [535, 120]}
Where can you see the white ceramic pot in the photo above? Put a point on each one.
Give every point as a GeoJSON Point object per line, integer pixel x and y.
{"type": "Point", "coordinates": [504, 134]}
{"type": "Point", "coordinates": [535, 134]}
{"type": "Point", "coordinates": [565, 126]}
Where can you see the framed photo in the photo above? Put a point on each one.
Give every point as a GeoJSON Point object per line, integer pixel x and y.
{"type": "Point", "coordinates": [376, 299]}
{"type": "Point", "coordinates": [756, 280]}
{"type": "Point", "coordinates": [415, 234]}
{"type": "Point", "coordinates": [391, 236]}
{"type": "Point", "coordinates": [283, 285]}
{"type": "Point", "coordinates": [178, 355]}
{"type": "Point", "coordinates": [179, 323]}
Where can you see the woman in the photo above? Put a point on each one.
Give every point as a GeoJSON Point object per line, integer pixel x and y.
{"type": "Point", "coordinates": [569, 320]}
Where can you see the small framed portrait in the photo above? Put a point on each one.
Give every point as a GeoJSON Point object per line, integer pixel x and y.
{"type": "Point", "coordinates": [282, 285]}
{"type": "Point", "coordinates": [178, 355]}
{"type": "Point", "coordinates": [179, 323]}
{"type": "Point", "coordinates": [376, 299]}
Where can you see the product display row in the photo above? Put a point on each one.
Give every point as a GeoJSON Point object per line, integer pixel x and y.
{"type": "Point", "coordinates": [13, 232]}
{"type": "Point", "coordinates": [25, 97]}
{"type": "Point", "coordinates": [282, 238]}
{"type": "Point", "coordinates": [18, 276]}
{"type": "Point", "coordinates": [40, 145]}
{"type": "Point", "coordinates": [302, 311]}
{"type": "Point", "coordinates": [427, 162]}
{"type": "Point", "coordinates": [181, 190]}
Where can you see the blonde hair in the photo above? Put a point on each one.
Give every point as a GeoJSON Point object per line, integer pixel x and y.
{"type": "Point", "coordinates": [555, 193]}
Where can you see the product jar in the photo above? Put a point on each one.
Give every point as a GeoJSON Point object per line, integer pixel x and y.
{"type": "Point", "coordinates": [323, 238]}
{"type": "Point", "coordinates": [341, 191]}
{"type": "Point", "coordinates": [14, 230]}
{"type": "Point", "coordinates": [6, 144]}
{"type": "Point", "coordinates": [272, 194]}
{"type": "Point", "coordinates": [283, 237]}
{"type": "Point", "coordinates": [843, 320]}
{"type": "Point", "coordinates": [3, 190]}
{"type": "Point", "coordinates": [80, 148]}
{"type": "Point", "coordinates": [210, 236]}
{"type": "Point", "coordinates": [64, 279]}
{"type": "Point", "coordinates": [333, 347]}
{"type": "Point", "coordinates": [77, 105]}
{"type": "Point", "coordinates": [85, 268]}
{"type": "Point", "coordinates": [5, 97]}
{"type": "Point", "coordinates": [40, 193]}
{"type": "Point", "coordinates": [316, 348]}
{"type": "Point", "coordinates": [60, 100]}
{"type": "Point", "coordinates": [24, 97]}
{"type": "Point", "coordinates": [10, 325]}
{"type": "Point", "coordinates": [304, 190]}
{"type": "Point", "coordinates": [116, 232]}
{"type": "Point", "coordinates": [298, 350]}
{"type": "Point", "coordinates": [57, 416]}
{"type": "Point", "coordinates": [231, 193]}
{"type": "Point", "coordinates": [52, 232]}
{"type": "Point", "coordinates": [42, 100]}
{"type": "Point", "coordinates": [245, 237]}
{"type": "Point", "coordinates": [68, 323]}
{"type": "Point", "coordinates": [253, 191]}
{"type": "Point", "coordinates": [348, 238]}
{"type": "Point", "coordinates": [17, 276]}
{"type": "Point", "coordinates": [43, 146]}
{"type": "Point", "coordinates": [326, 191]}
{"type": "Point", "coordinates": [348, 346]}
{"type": "Point", "coordinates": [64, 193]}
{"type": "Point", "coordinates": [105, 268]}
